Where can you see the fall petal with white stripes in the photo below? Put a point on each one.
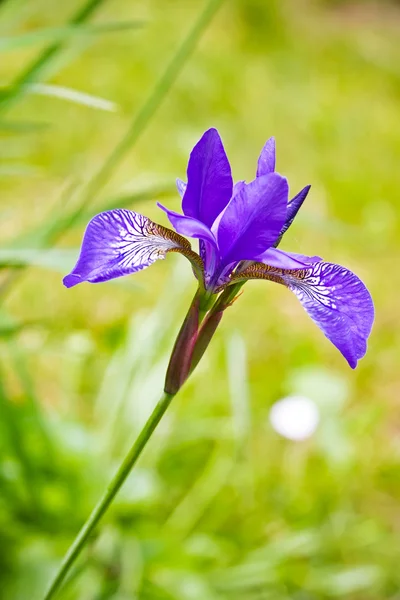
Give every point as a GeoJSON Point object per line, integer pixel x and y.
{"type": "Point", "coordinates": [336, 300]}
{"type": "Point", "coordinates": [120, 242]}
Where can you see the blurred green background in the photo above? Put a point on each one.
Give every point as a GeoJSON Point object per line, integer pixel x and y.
{"type": "Point", "coordinates": [220, 506]}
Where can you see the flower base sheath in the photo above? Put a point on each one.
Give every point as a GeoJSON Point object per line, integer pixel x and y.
{"type": "Point", "coordinates": [239, 227]}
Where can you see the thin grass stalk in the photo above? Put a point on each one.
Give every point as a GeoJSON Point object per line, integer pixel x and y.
{"type": "Point", "coordinates": [33, 72]}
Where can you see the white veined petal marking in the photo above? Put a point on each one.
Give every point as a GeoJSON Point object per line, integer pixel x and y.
{"type": "Point", "coordinates": [137, 241]}
{"type": "Point", "coordinates": [120, 242]}
{"type": "Point", "coordinates": [336, 300]}
{"type": "Point", "coordinates": [308, 284]}
{"type": "Point", "coordinates": [140, 242]}
{"type": "Point", "coordinates": [305, 283]}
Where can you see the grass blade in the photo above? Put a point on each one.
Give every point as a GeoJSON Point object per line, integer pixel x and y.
{"type": "Point", "coordinates": [71, 95]}
{"type": "Point", "coordinates": [58, 259]}
{"type": "Point", "coordinates": [62, 34]}
{"type": "Point", "coordinates": [34, 71]}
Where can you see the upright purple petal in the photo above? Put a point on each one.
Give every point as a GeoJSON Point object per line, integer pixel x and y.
{"type": "Point", "coordinates": [120, 242]}
{"type": "Point", "coordinates": [209, 186]}
{"type": "Point", "coordinates": [293, 208]}
{"type": "Point", "coordinates": [266, 162]}
{"type": "Point", "coordinates": [253, 219]}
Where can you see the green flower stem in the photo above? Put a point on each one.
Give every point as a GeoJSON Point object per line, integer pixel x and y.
{"type": "Point", "coordinates": [206, 301]}
{"type": "Point", "coordinates": [210, 320]}
{"type": "Point", "coordinates": [111, 491]}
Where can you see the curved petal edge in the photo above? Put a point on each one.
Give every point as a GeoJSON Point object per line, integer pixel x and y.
{"type": "Point", "coordinates": [334, 297]}
{"type": "Point", "coordinates": [275, 257]}
{"type": "Point", "coordinates": [209, 179]}
{"type": "Point", "coordinates": [266, 161]}
{"type": "Point", "coordinates": [120, 242]}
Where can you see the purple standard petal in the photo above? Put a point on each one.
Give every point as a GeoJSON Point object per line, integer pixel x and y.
{"type": "Point", "coordinates": [209, 186]}
{"type": "Point", "coordinates": [293, 208]}
{"type": "Point", "coordinates": [336, 300]}
{"type": "Point", "coordinates": [253, 219]}
{"type": "Point", "coordinates": [266, 162]}
{"type": "Point", "coordinates": [120, 242]}
{"type": "Point", "coordinates": [237, 187]}
{"type": "Point", "coordinates": [286, 260]}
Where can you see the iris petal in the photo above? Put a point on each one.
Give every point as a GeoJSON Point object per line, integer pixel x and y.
{"type": "Point", "coordinates": [209, 252]}
{"type": "Point", "coordinates": [266, 162]}
{"type": "Point", "coordinates": [239, 185]}
{"type": "Point", "coordinates": [253, 219]}
{"type": "Point", "coordinates": [336, 300]}
{"type": "Point", "coordinates": [120, 242]}
{"type": "Point", "coordinates": [293, 208]}
{"type": "Point", "coordinates": [286, 260]}
{"type": "Point", "coordinates": [209, 186]}
{"type": "Point", "coordinates": [189, 226]}
{"type": "Point", "coordinates": [339, 303]}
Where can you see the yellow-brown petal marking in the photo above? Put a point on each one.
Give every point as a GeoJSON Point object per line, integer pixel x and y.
{"type": "Point", "coordinates": [177, 243]}
{"type": "Point", "coordinates": [261, 271]}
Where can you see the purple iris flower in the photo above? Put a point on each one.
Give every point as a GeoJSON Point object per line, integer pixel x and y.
{"type": "Point", "coordinates": [239, 227]}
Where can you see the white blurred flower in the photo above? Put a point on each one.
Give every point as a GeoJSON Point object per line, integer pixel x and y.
{"type": "Point", "coordinates": [295, 417]}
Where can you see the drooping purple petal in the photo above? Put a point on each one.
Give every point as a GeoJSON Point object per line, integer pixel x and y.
{"type": "Point", "coordinates": [266, 162]}
{"type": "Point", "coordinates": [181, 186]}
{"type": "Point", "coordinates": [209, 252]}
{"type": "Point", "coordinates": [209, 186]}
{"type": "Point", "coordinates": [189, 226]}
{"type": "Point", "coordinates": [120, 242]}
{"type": "Point", "coordinates": [253, 219]}
{"type": "Point", "coordinates": [339, 303]}
{"type": "Point", "coordinates": [293, 208]}
{"type": "Point", "coordinates": [336, 300]}
{"type": "Point", "coordinates": [286, 260]}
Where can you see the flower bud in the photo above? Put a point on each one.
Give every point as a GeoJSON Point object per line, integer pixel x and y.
{"type": "Point", "coordinates": [181, 357]}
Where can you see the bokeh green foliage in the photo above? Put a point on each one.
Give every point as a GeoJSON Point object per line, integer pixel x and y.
{"type": "Point", "coordinates": [219, 507]}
